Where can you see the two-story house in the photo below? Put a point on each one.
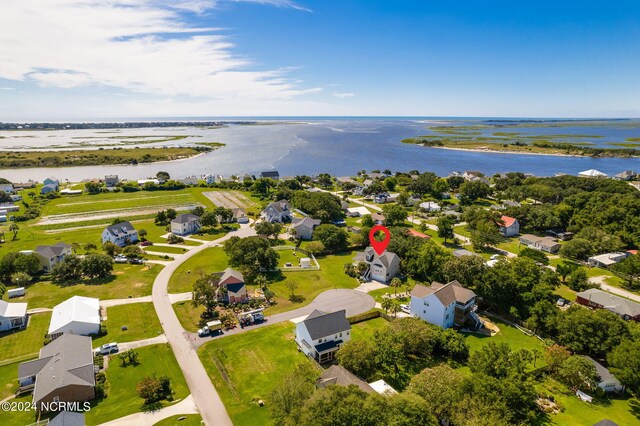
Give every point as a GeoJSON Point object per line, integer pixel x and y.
{"type": "Point", "coordinates": [382, 267]}
{"type": "Point", "coordinates": [321, 334]}
{"type": "Point", "coordinates": [120, 234]}
{"type": "Point", "coordinates": [278, 211]}
{"type": "Point", "coordinates": [303, 228]}
{"type": "Point", "coordinates": [509, 226]}
{"type": "Point", "coordinates": [445, 305]}
{"type": "Point", "coordinates": [50, 256]}
{"type": "Point", "coordinates": [185, 224]}
{"type": "Point", "coordinates": [232, 288]}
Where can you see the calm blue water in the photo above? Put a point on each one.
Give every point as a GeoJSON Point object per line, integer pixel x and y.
{"type": "Point", "coordinates": [344, 146]}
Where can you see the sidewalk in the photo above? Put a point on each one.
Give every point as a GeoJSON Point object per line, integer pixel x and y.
{"type": "Point", "coordinates": [186, 406]}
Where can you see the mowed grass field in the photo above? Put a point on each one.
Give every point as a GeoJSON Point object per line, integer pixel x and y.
{"type": "Point", "coordinates": [8, 380]}
{"type": "Point", "coordinates": [126, 280]}
{"type": "Point", "coordinates": [139, 318]}
{"type": "Point", "coordinates": [122, 398]}
{"type": "Point", "coordinates": [209, 260]}
{"type": "Point", "coordinates": [25, 344]}
{"type": "Point", "coordinates": [246, 367]}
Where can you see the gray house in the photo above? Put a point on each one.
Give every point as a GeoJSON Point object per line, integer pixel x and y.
{"type": "Point", "coordinates": [64, 372]}
{"type": "Point", "coordinates": [382, 268]}
{"type": "Point", "coordinates": [304, 227]}
{"type": "Point", "coordinates": [111, 180]}
{"type": "Point", "coordinates": [273, 174]}
{"type": "Point", "coordinates": [185, 224]}
{"type": "Point", "coordinates": [120, 234]}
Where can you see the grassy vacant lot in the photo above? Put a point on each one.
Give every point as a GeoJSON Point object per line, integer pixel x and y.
{"type": "Point", "coordinates": [89, 157]}
{"type": "Point", "coordinates": [565, 292]}
{"type": "Point", "coordinates": [207, 261]}
{"type": "Point", "coordinates": [507, 334]}
{"type": "Point", "coordinates": [364, 330]}
{"type": "Point", "coordinates": [8, 380]}
{"type": "Point", "coordinates": [187, 420]}
{"type": "Point", "coordinates": [188, 315]}
{"type": "Point", "coordinates": [166, 249]}
{"type": "Point", "coordinates": [122, 398]}
{"type": "Point", "coordinates": [246, 367]}
{"type": "Point", "coordinates": [127, 280]}
{"type": "Point", "coordinates": [141, 321]}
{"type": "Point", "coordinates": [24, 344]}
{"type": "Point", "coordinates": [623, 411]}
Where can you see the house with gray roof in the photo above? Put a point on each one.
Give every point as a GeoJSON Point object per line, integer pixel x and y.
{"type": "Point", "coordinates": [120, 234]}
{"type": "Point", "coordinates": [67, 418]}
{"type": "Point", "coordinates": [337, 375]}
{"type": "Point", "coordinates": [51, 180]}
{"type": "Point", "coordinates": [63, 372]}
{"type": "Point", "coordinates": [278, 211]}
{"type": "Point", "coordinates": [7, 188]}
{"type": "Point", "coordinates": [598, 299]}
{"type": "Point", "coordinates": [232, 287]}
{"type": "Point", "coordinates": [272, 174]}
{"type": "Point", "coordinates": [607, 382]}
{"type": "Point", "coordinates": [464, 252]}
{"type": "Point", "coordinates": [240, 215]}
{"type": "Point", "coordinates": [47, 189]}
{"type": "Point", "coordinates": [445, 305]}
{"type": "Point", "coordinates": [185, 224]}
{"type": "Point", "coordinates": [111, 180]}
{"type": "Point", "coordinates": [50, 256]}
{"type": "Point", "coordinates": [548, 244]}
{"type": "Point", "coordinates": [321, 334]}
{"type": "Point", "coordinates": [303, 228]}
{"type": "Point", "coordinates": [382, 267]}
{"type": "Point", "coordinates": [607, 259]}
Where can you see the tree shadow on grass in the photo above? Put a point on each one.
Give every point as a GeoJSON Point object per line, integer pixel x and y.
{"type": "Point", "coordinates": [296, 298]}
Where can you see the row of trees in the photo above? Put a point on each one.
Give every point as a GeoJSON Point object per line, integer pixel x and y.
{"type": "Point", "coordinates": [91, 266]}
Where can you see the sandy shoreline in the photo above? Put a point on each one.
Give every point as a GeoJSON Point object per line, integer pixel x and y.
{"type": "Point", "coordinates": [492, 151]}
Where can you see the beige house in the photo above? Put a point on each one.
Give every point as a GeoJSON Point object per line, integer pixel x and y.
{"type": "Point", "coordinates": [548, 244]}
{"type": "Point", "coordinates": [50, 256]}
{"type": "Point", "coordinates": [303, 228]}
{"type": "Point", "coordinates": [185, 224]}
{"type": "Point", "coordinates": [382, 268]}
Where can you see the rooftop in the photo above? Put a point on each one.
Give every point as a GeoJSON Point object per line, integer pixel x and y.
{"type": "Point", "coordinates": [446, 293]}
{"type": "Point", "coordinates": [320, 324]}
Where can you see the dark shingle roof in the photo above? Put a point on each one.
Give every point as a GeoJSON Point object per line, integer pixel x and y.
{"type": "Point", "coordinates": [234, 288]}
{"type": "Point", "coordinates": [320, 324]}
{"type": "Point", "coordinates": [68, 418]}
{"type": "Point", "coordinates": [50, 251]}
{"type": "Point", "coordinates": [186, 218]}
{"type": "Point", "coordinates": [340, 376]}
{"type": "Point", "coordinates": [270, 174]}
{"type": "Point", "coordinates": [122, 227]}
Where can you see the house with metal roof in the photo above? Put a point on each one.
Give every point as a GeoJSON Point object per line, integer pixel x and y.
{"type": "Point", "coordinates": [599, 299]}
{"type": "Point", "coordinates": [120, 234]}
{"type": "Point", "coordinates": [76, 315]}
{"type": "Point", "coordinates": [445, 305]}
{"type": "Point", "coordinates": [509, 226]}
{"type": "Point", "coordinates": [185, 224]}
{"type": "Point", "coordinates": [12, 315]}
{"type": "Point", "coordinates": [303, 228]}
{"type": "Point", "coordinates": [278, 211]}
{"type": "Point", "coordinates": [548, 244]}
{"type": "Point", "coordinates": [607, 259]}
{"type": "Point", "coordinates": [232, 287]}
{"type": "Point", "coordinates": [50, 256]}
{"type": "Point", "coordinates": [64, 372]}
{"type": "Point", "coordinates": [382, 267]}
{"type": "Point", "coordinates": [321, 334]}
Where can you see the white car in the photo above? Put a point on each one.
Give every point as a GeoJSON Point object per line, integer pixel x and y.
{"type": "Point", "coordinates": [495, 257]}
{"type": "Point", "coordinates": [120, 259]}
{"type": "Point", "coordinates": [405, 308]}
{"type": "Point", "coordinates": [107, 348]}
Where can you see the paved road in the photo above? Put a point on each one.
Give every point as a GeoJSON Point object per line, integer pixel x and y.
{"type": "Point", "coordinates": [615, 290]}
{"type": "Point", "coordinates": [186, 406]}
{"type": "Point", "coordinates": [204, 394]}
{"type": "Point", "coordinates": [355, 302]}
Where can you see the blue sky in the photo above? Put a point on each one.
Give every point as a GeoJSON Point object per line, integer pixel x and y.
{"type": "Point", "coordinates": [66, 59]}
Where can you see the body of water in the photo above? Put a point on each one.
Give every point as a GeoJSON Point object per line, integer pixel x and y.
{"type": "Point", "coordinates": [336, 146]}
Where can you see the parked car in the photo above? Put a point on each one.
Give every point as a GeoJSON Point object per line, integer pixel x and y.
{"type": "Point", "coordinates": [146, 243]}
{"type": "Point", "coordinates": [210, 328]}
{"type": "Point", "coordinates": [495, 256]}
{"type": "Point", "coordinates": [405, 308]}
{"type": "Point", "coordinates": [120, 259]}
{"type": "Point", "coordinates": [136, 261]}
{"type": "Point", "coordinates": [561, 302]}
{"type": "Point", "coordinates": [107, 348]}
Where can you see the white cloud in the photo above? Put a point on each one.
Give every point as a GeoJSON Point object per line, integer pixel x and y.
{"type": "Point", "coordinates": [278, 3]}
{"type": "Point", "coordinates": [343, 94]}
{"type": "Point", "coordinates": [142, 46]}
{"type": "Point", "coordinates": [7, 88]}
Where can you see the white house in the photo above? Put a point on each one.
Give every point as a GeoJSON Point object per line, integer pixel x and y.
{"type": "Point", "coordinates": [607, 259]}
{"type": "Point", "coordinates": [304, 227]}
{"type": "Point", "coordinates": [510, 226]}
{"type": "Point", "coordinates": [382, 268]}
{"type": "Point", "coordinates": [357, 211]}
{"type": "Point", "coordinates": [608, 382]}
{"type": "Point", "coordinates": [12, 315]}
{"type": "Point", "coordinates": [430, 206]}
{"type": "Point", "coordinates": [278, 211]}
{"type": "Point", "coordinates": [321, 334]}
{"type": "Point", "coordinates": [240, 215]}
{"type": "Point", "coordinates": [77, 315]}
{"type": "Point", "coordinates": [185, 224]}
{"type": "Point", "coordinates": [120, 234]}
{"type": "Point", "coordinates": [593, 173]}
{"type": "Point", "coordinates": [445, 305]}
{"type": "Point", "coordinates": [142, 182]}
{"type": "Point", "coordinates": [50, 256]}
{"type": "Point", "coordinates": [548, 244]}
{"type": "Point", "coordinates": [210, 179]}
{"type": "Point", "coordinates": [7, 188]}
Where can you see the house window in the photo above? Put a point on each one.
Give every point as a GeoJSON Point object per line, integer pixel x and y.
{"type": "Point", "coordinates": [340, 334]}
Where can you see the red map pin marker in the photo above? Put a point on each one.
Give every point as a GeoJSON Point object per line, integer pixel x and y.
{"type": "Point", "coordinates": [379, 246]}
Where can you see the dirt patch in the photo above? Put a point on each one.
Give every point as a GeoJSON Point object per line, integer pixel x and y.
{"type": "Point", "coordinates": [489, 329]}
{"type": "Point", "coordinates": [548, 406]}
{"type": "Point", "coordinates": [118, 273]}
{"type": "Point", "coordinates": [109, 214]}
{"type": "Point", "coordinates": [229, 199]}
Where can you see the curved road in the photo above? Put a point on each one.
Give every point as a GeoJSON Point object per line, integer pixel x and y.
{"type": "Point", "coordinates": [185, 344]}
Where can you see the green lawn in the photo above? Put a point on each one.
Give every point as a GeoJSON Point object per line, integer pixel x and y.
{"type": "Point", "coordinates": [181, 420]}
{"type": "Point", "coordinates": [166, 249]}
{"type": "Point", "coordinates": [565, 292]}
{"type": "Point", "coordinates": [141, 321]}
{"type": "Point", "coordinates": [611, 278]}
{"type": "Point", "coordinates": [127, 280]}
{"type": "Point", "coordinates": [8, 380]}
{"type": "Point", "coordinates": [122, 398]}
{"type": "Point", "coordinates": [364, 330]}
{"type": "Point", "coordinates": [20, 418]}
{"type": "Point", "coordinates": [246, 367]}
{"type": "Point", "coordinates": [24, 344]}
{"type": "Point", "coordinates": [623, 411]}
{"type": "Point", "coordinates": [210, 260]}
{"type": "Point", "coordinates": [188, 315]}
{"type": "Point", "coordinates": [507, 334]}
